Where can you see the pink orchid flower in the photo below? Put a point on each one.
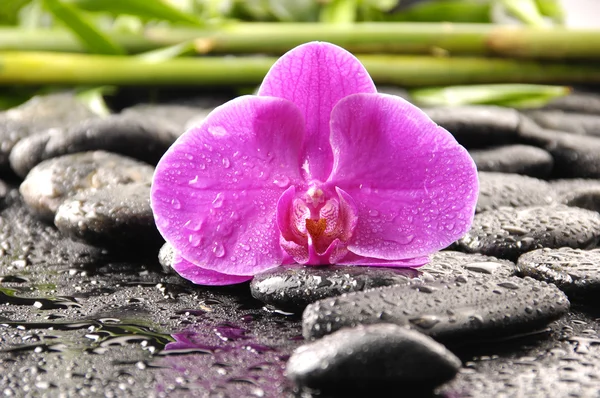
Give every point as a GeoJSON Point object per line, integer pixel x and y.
{"type": "Point", "coordinates": [318, 168]}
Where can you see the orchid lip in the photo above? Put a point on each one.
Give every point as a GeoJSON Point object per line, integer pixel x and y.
{"type": "Point", "coordinates": [315, 222]}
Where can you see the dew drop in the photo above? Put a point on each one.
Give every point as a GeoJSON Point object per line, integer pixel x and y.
{"type": "Point", "coordinates": [226, 163]}
{"type": "Point", "coordinates": [373, 213]}
{"type": "Point", "coordinates": [189, 156]}
{"type": "Point", "coordinates": [201, 166]}
{"type": "Point", "coordinates": [217, 131]}
{"type": "Point", "coordinates": [218, 201]}
{"type": "Point", "coordinates": [193, 181]}
{"type": "Point", "coordinates": [282, 182]}
{"type": "Point", "coordinates": [175, 203]}
{"type": "Point", "coordinates": [218, 250]}
{"type": "Point", "coordinates": [194, 240]}
{"type": "Point", "coordinates": [245, 247]}
{"type": "Point", "coordinates": [193, 225]}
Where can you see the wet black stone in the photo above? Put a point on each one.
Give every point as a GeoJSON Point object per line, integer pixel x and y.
{"type": "Point", "coordinates": [512, 190]}
{"type": "Point", "coordinates": [575, 156]}
{"type": "Point", "coordinates": [448, 263]}
{"type": "Point", "coordinates": [38, 114]}
{"type": "Point", "coordinates": [578, 123]}
{"type": "Point", "coordinates": [373, 357]}
{"type": "Point", "coordinates": [449, 310]}
{"type": "Point", "coordinates": [145, 139]}
{"type": "Point", "coordinates": [51, 182]}
{"type": "Point", "coordinates": [508, 233]}
{"type": "Point", "coordinates": [183, 116]}
{"type": "Point", "coordinates": [478, 126]}
{"type": "Point", "coordinates": [518, 159]}
{"type": "Point", "coordinates": [112, 216]}
{"type": "Point", "coordinates": [578, 192]}
{"type": "Point", "coordinates": [583, 102]}
{"type": "Point", "coordinates": [294, 287]}
{"type": "Point", "coordinates": [574, 271]}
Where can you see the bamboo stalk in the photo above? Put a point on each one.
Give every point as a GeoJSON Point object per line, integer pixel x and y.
{"type": "Point", "coordinates": [38, 68]}
{"type": "Point", "coordinates": [407, 38]}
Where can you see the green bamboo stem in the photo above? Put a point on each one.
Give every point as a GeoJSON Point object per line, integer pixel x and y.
{"type": "Point", "coordinates": [407, 38]}
{"type": "Point", "coordinates": [33, 68]}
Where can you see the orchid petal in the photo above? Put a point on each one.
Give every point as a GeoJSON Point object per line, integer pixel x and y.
{"type": "Point", "coordinates": [215, 191]}
{"type": "Point", "coordinates": [315, 76]}
{"type": "Point", "coordinates": [203, 276]}
{"type": "Point", "coordinates": [414, 186]}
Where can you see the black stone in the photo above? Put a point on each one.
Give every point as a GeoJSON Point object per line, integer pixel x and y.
{"type": "Point", "coordinates": [373, 357]}
{"type": "Point", "coordinates": [54, 180]}
{"type": "Point", "coordinates": [584, 193]}
{"type": "Point", "coordinates": [478, 126]}
{"type": "Point", "coordinates": [578, 123]}
{"type": "Point", "coordinates": [582, 102]}
{"type": "Point", "coordinates": [518, 159]}
{"type": "Point", "coordinates": [112, 216]}
{"type": "Point", "coordinates": [182, 116]}
{"type": "Point", "coordinates": [145, 139]}
{"type": "Point", "coordinates": [574, 271]}
{"type": "Point", "coordinates": [448, 263]}
{"type": "Point", "coordinates": [508, 233]}
{"type": "Point", "coordinates": [449, 311]}
{"type": "Point", "coordinates": [575, 156]}
{"type": "Point", "coordinates": [294, 287]}
{"type": "Point", "coordinates": [38, 114]}
{"type": "Point", "coordinates": [499, 190]}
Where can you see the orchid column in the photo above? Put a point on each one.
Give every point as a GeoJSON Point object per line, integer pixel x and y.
{"type": "Point", "coordinates": [318, 168]}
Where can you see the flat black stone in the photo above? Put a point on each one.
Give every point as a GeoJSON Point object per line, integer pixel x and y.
{"type": "Point", "coordinates": [144, 139]}
{"type": "Point", "coordinates": [38, 114]}
{"type": "Point", "coordinates": [294, 287]}
{"type": "Point", "coordinates": [518, 159]}
{"type": "Point", "coordinates": [508, 233]}
{"type": "Point", "coordinates": [578, 123]}
{"type": "Point", "coordinates": [111, 216]}
{"type": "Point", "coordinates": [448, 263]}
{"type": "Point", "coordinates": [450, 310]}
{"type": "Point", "coordinates": [579, 192]}
{"type": "Point", "coordinates": [500, 189]}
{"type": "Point", "coordinates": [574, 271]}
{"type": "Point", "coordinates": [583, 102]}
{"type": "Point", "coordinates": [575, 155]}
{"type": "Point", "coordinates": [478, 126]}
{"type": "Point", "coordinates": [51, 182]}
{"type": "Point", "coordinates": [373, 357]}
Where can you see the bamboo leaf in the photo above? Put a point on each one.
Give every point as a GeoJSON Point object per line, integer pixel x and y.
{"type": "Point", "coordinates": [445, 11]}
{"type": "Point", "coordinates": [170, 52]}
{"type": "Point", "coordinates": [93, 98]}
{"type": "Point", "coordinates": [94, 39]}
{"type": "Point", "coordinates": [499, 94]}
{"type": "Point", "coordinates": [339, 12]}
{"type": "Point", "coordinates": [526, 11]}
{"type": "Point", "coordinates": [552, 9]}
{"type": "Point", "coordinates": [9, 11]}
{"type": "Point", "coordinates": [148, 9]}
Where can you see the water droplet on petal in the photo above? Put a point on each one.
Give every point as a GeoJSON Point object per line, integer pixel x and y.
{"type": "Point", "coordinates": [189, 156]}
{"type": "Point", "coordinates": [282, 182]}
{"type": "Point", "coordinates": [226, 163]}
{"type": "Point", "coordinates": [193, 181]}
{"type": "Point", "coordinates": [218, 250]}
{"type": "Point", "coordinates": [175, 203]}
{"type": "Point", "coordinates": [217, 131]}
{"type": "Point", "coordinates": [201, 166]}
{"type": "Point", "coordinates": [194, 240]}
{"type": "Point", "coordinates": [193, 225]}
{"type": "Point", "coordinates": [373, 213]}
{"type": "Point", "coordinates": [245, 247]}
{"type": "Point", "coordinates": [218, 201]}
